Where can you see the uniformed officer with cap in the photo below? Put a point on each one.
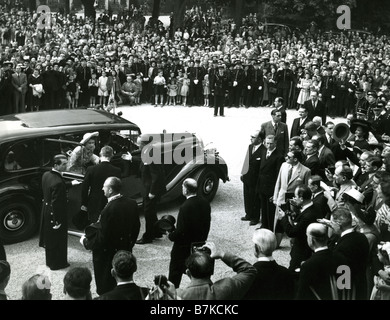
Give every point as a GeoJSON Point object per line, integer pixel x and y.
{"type": "Point", "coordinates": [6, 88]}
{"type": "Point", "coordinates": [237, 78]}
{"type": "Point", "coordinates": [371, 99]}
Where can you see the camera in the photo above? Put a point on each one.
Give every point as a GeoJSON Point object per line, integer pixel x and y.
{"type": "Point", "coordinates": [161, 281]}
{"type": "Point", "coordinates": [199, 247]}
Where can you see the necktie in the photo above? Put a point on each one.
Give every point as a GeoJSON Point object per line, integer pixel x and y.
{"type": "Point", "coordinates": [85, 71]}
{"type": "Point", "coordinates": [289, 174]}
{"type": "Point", "coordinates": [268, 154]}
{"type": "Point", "coordinates": [275, 127]}
{"type": "Point", "coordinates": [256, 76]}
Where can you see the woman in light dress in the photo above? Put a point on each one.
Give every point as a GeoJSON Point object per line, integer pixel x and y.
{"type": "Point", "coordinates": [304, 85]}
{"type": "Point", "coordinates": [103, 90]}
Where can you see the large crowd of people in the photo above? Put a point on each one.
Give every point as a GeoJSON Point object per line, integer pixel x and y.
{"type": "Point", "coordinates": [72, 62]}
{"type": "Point", "coordinates": [325, 186]}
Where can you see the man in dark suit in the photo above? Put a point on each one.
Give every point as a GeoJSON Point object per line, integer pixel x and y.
{"type": "Point", "coordinates": [92, 196]}
{"type": "Point", "coordinates": [249, 174]}
{"type": "Point", "coordinates": [325, 155]}
{"type": "Point", "coordinates": [270, 163]}
{"type": "Point", "coordinates": [284, 80]}
{"type": "Point", "coordinates": [330, 142]}
{"type": "Point", "coordinates": [328, 92]}
{"type": "Point", "coordinates": [324, 203]}
{"type": "Point", "coordinates": [273, 281]}
{"type": "Point", "coordinates": [278, 129]}
{"type": "Point", "coordinates": [19, 82]}
{"type": "Point", "coordinates": [299, 123]}
{"type": "Point", "coordinates": [193, 225]}
{"type": "Point", "coordinates": [117, 229]}
{"type": "Point", "coordinates": [54, 222]}
{"type": "Point", "coordinates": [6, 89]}
{"type": "Point", "coordinates": [124, 265]}
{"type": "Point", "coordinates": [254, 86]}
{"type": "Point", "coordinates": [315, 107]}
{"type": "Point", "coordinates": [153, 180]}
{"type": "Point", "coordinates": [317, 271]}
{"type": "Point", "coordinates": [238, 79]}
{"type": "Point", "coordinates": [83, 74]}
{"type": "Point", "coordinates": [296, 227]}
{"type": "Point", "coordinates": [279, 106]}
{"type": "Point", "coordinates": [351, 249]}
{"type": "Point", "coordinates": [312, 162]}
{"type": "Point", "coordinates": [196, 75]}
{"type": "Point", "coordinates": [219, 88]}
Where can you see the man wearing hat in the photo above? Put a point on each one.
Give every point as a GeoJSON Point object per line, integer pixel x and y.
{"type": "Point", "coordinates": [219, 88]}
{"type": "Point", "coordinates": [371, 99]}
{"type": "Point", "coordinates": [328, 89]}
{"type": "Point", "coordinates": [284, 79]}
{"type": "Point", "coordinates": [378, 121]}
{"type": "Point", "coordinates": [6, 89]}
{"type": "Point", "coordinates": [193, 225]}
{"type": "Point", "coordinates": [254, 86]}
{"type": "Point", "coordinates": [360, 102]}
{"type": "Point", "coordinates": [196, 75]}
{"type": "Point", "coordinates": [237, 78]}
{"type": "Point", "coordinates": [19, 83]}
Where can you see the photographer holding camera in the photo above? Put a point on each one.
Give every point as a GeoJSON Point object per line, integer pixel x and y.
{"type": "Point", "coordinates": [200, 268]}
{"type": "Point", "coordinates": [295, 226]}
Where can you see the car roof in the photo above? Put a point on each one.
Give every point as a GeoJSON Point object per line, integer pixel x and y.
{"type": "Point", "coordinates": [44, 123]}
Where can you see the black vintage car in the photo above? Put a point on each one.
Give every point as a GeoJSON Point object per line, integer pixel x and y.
{"type": "Point", "coordinates": [28, 142]}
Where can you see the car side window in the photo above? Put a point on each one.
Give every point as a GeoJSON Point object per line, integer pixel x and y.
{"type": "Point", "coordinates": [23, 155]}
{"type": "Point", "coordinates": [53, 146]}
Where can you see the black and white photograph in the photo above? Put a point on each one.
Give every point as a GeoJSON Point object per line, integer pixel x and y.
{"type": "Point", "coordinates": [231, 151]}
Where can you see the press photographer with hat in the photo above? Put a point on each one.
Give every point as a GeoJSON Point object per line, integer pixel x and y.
{"type": "Point", "coordinates": [193, 225]}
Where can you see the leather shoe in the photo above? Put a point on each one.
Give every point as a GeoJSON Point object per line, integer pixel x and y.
{"type": "Point", "coordinates": [245, 218]}
{"type": "Point", "coordinates": [59, 268]}
{"type": "Point", "coordinates": [158, 236]}
{"type": "Point", "coordinates": [143, 241]}
{"type": "Point", "coordinates": [253, 223]}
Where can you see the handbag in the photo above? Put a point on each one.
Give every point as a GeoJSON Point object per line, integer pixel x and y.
{"type": "Point", "coordinates": [273, 90]}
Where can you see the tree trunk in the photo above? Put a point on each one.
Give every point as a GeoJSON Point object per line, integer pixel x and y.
{"type": "Point", "coordinates": [238, 17]}
{"type": "Point", "coordinates": [89, 9]}
{"type": "Point", "coordinates": [156, 9]}
{"type": "Point", "coordinates": [178, 14]}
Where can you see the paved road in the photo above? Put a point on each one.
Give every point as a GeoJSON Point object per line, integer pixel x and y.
{"type": "Point", "coordinates": [231, 136]}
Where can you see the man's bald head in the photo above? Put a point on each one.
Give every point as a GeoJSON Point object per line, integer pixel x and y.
{"type": "Point", "coordinates": [317, 235]}
{"type": "Point", "coordinates": [191, 186]}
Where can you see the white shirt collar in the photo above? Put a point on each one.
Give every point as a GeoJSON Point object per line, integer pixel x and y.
{"type": "Point", "coordinates": [307, 205]}
{"type": "Point", "coordinates": [346, 232]}
{"type": "Point", "coordinates": [117, 196]}
{"type": "Point", "coordinates": [267, 259]}
{"type": "Point", "coordinates": [321, 249]}
{"type": "Point", "coordinates": [124, 282]}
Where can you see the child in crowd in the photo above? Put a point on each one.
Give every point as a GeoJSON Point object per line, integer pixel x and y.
{"type": "Point", "coordinates": [71, 87]}
{"type": "Point", "coordinates": [185, 88]}
{"type": "Point", "coordinates": [206, 90]}
{"type": "Point", "coordinates": [381, 290]}
{"type": "Point", "coordinates": [93, 90]}
{"type": "Point", "coordinates": [138, 84]}
{"type": "Point", "coordinates": [159, 88]}
{"type": "Point", "coordinates": [179, 81]}
{"type": "Point", "coordinates": [172, 92]}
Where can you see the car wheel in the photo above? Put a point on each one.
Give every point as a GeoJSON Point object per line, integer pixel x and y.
{"type": "Point", "coordinates": [208, 183]}
{"type": "Point", "coordinates": [18, 221]}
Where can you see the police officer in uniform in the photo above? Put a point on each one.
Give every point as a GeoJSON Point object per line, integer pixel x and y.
{"type": "Point", "coordinates": [6, 88]}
